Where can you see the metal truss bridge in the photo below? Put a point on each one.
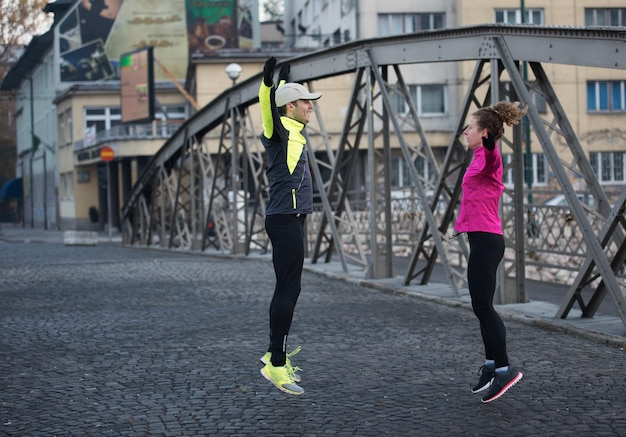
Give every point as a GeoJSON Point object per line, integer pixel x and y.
{"type": "Point", "coordinates": [205, 190]}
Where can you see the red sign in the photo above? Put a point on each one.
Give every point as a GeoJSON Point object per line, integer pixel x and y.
{"type": "Point", "coordinates": [107, 154]}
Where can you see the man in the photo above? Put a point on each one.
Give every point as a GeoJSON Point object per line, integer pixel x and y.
{"type": "Point", "coordinates": [285, 111]}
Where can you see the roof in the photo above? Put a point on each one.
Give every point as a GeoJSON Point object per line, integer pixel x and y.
{"type": "Point", "coordinates": [38, 46]}
{"type": "Point", "coordinates": [109, 86]}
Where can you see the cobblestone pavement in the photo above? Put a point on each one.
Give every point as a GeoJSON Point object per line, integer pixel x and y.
{"type": "Point", "coordinates": [109, 341]}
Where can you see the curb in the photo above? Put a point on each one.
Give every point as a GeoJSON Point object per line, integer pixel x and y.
{"type": "Point", "coordinates": [555, 325]}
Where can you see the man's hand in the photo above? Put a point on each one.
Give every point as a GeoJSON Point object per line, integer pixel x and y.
{"type": "Point", "coordinates": [490, 141]}
{"type": "Point", "coordinates": [268, 71]}
{"type": "Point", "coordinates": [283, 74]}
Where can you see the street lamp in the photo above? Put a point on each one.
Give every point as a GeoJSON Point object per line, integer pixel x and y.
{"type": "Point", "coordinates": [233, 71]}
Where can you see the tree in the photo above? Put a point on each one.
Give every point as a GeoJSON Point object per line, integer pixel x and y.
{"type": "Point", "coordinates": [273, 10]}
{"type": "Point", "coordinates": [19, 21]}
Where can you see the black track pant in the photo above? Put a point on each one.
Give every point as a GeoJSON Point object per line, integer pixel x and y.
{"type": "Point", "coordinates": [486, 252]}
{"type": "Point", "coordinates": [286, 233]}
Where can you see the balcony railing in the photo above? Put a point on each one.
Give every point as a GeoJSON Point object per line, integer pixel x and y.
{"type": "Point", "coordinates": [144, 131]}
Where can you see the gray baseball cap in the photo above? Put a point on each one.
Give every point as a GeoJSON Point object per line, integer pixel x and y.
{"type": "Point", "coordinates": [291, 91]}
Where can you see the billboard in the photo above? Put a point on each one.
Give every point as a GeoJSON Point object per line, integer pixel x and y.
{"type": "Point", "coordinates": [213, 25]}
{"type": "Point", "coordinates": [83, 35]}
{"type": "Point", "coordinates": [91, 38]}
{"type": "Point", "coordinates": [137, 85]}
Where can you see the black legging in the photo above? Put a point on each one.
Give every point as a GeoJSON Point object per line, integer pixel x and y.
{"type": "Point", "coordinates": [286, 233]}
{"type": "Point", "coordinates": [486, 252]}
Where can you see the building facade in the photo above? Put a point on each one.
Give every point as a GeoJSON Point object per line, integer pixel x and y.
{"type": "Point", "coordinates": [36, 130]}
{"type": "Point", "coordinates": [69, 107]}
{"type": "Point", "coordinates": [89, 119]}
{"type": "Point", "coordinates": [594, 98]}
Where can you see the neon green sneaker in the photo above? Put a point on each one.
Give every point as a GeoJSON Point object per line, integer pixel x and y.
{"type": "Point", "coordinates": [281, 378]}
{"type": "Point", "coordinates": [267, 358]}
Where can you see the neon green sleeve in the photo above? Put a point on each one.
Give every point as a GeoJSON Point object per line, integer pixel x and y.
{"type": "Point", "coordinates": [266, 110]}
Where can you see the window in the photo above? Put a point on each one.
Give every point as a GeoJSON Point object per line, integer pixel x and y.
{"type": "Point", "coordinates": [540, 103]}
{"type": "Point", "coordinates": [400, 174]}
{"type": "Point", "coordinates": [67, 186]}
{"type": "Point", "coordinates": [177, 112]}
{"type": "Point", "coordinates": [539, 169]}
{"type": "Point", "coordinates": [608, 166]}
{"type": "Point", "coordinates": [398, 24]}
{"type": "Point", "coordinates": [337, 37]}
{"type": "Point", "coordinates": [102, 118]}
{"type": "Point", "coordinates": [428, 99]}
{"type": "Point", "coordinates": [65, 128]}
{"type": "Point", "coordinates": [63, 193]}
{"type": "Point", "coordinates": [514, 16]}
{"type": "Point", "coordinates": [431, 99]}
{"type": "Point", "coordinates": [70, 185]}
{"type": "Point", "coordinates": [62, 139]}
{"type": "Point", "coordinates": [605, 16]}
{"type": "Point", "coordinates": [169, 118]}
{"type": "Point", "coordinates": [606, 96]}
{"type": "Point", "coordinates": [306, 16]}
{"type": "Point", "coordinates": [70, 127]}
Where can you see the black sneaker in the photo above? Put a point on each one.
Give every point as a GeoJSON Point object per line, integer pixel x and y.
{"type": "Point", "coordinates": [501, 383]}
{"type": "Point", "coordinates": [486, 374]}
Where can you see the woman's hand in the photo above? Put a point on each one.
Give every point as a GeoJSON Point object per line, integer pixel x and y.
{"type": "Point", "coordinates": [489, 141]}
{"type": "Point", "coordinates": [283, 74]}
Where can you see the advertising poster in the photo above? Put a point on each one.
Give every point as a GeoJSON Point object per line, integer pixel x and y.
{"type": "Point", "coordinates": [247, 13]}
{"type": "Point", "coordinates": [136, 86]}
{"type": "Point", "coordinates": [93, 36]}
{"type": "Point", "coordinates": [83, 35]}
{"type": "Point", "coordinates": [211, 25]}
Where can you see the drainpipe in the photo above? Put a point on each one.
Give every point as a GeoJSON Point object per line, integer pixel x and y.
{"type": "Point", "coordinates": [34, 146]}
{"type": "Point", "coordinates": [357, 13]}
{"type": "Point", "coordinates": [45, 190]}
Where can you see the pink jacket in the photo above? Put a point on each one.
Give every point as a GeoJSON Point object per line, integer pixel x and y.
{"type": "Point", "coordinates": [482, 189]}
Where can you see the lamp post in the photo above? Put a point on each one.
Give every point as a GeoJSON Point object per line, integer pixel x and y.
{"type": "Point", "coordinates": [233, 71]}
{"type": "Point", "coordinates": [32, 153]}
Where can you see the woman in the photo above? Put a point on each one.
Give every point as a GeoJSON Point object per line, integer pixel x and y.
{"type": "Point", "coordinates": [479, 218]}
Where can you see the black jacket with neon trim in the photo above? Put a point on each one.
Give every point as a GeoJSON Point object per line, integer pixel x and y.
{"type": "Point", "coordinates": [291, 188]}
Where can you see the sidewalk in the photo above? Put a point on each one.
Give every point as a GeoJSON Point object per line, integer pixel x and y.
{"type": "Point", "coordinates": [26, 234]}
{"type": "Point", "coordinates": [607, 329]}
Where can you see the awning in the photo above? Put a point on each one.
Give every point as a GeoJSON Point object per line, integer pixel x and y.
{"type": "Point", "coordinates": [11, 189]}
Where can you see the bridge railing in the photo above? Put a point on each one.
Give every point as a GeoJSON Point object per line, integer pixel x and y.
{"type": "Point", "coordinates": [555, 248]}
